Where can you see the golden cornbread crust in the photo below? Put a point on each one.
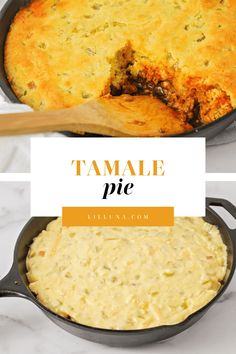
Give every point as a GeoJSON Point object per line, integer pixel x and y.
{"type": "Point", "coordinates": [61, 53]}
{"type": "Point", "coordinates": [127, 277]}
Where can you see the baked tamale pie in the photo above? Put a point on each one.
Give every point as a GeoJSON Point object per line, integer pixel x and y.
{"type": "Point", "coordinates": [127, 278]}
{"type": "Point", "coordinates": [62, 53]}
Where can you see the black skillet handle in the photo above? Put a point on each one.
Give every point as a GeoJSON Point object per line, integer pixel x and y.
{"type": "Point", "coordinates": [227, 206]}
{"type": "Point", "coordinates": [222, 203]}
{"type": "Point", "coordinates": [12, 286]}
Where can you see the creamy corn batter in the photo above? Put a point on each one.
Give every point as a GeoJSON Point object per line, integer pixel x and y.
{"type": "Point", "coordinates": [127, 278]}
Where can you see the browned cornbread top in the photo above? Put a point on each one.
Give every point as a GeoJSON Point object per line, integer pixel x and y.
{"type": "Point", "coordinates": [60, 53]}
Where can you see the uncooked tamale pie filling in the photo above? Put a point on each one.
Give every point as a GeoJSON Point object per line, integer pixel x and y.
{"type": "Point", "coordinates": [126, 278]}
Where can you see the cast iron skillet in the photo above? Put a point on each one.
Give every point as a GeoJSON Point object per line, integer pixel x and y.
{"type": "Point", "coordinates": [6, 16]}
{"type": "Point", "coordinates": [15, 284]}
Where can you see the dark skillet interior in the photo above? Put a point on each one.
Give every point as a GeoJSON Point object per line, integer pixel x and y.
{"type": "Point", "coordinates": [7, 14]}
{"type": "Point", "coordinates": [110, 337]}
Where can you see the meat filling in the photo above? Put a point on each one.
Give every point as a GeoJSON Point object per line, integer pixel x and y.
{"type": "Point", "coordinates": [198, 103]}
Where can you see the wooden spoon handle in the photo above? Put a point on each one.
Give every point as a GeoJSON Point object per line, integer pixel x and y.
{"type": "Point", "coordinates": [114, 116]}
{"type": "Point", "coordinates": [75, 120]}
{"type": "Point", "coordinates": [31, 122]}
{"type": "Point", "coordinates": [91, 117]}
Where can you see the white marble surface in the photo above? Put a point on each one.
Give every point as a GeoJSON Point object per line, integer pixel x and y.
{"type": "Point", "coordinates": [221, 158]}
{"type": "Point", "coordinates": [15, 150]}
{"type": "Point", "coordinates": [23, 328]}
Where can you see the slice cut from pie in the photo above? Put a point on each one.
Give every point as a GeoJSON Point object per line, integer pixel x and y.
{"type": "Point", "coordinates": [195, 101]}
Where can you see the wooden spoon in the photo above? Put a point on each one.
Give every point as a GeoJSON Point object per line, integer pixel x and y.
{"type": "Point", "coordinates": [114, 116]}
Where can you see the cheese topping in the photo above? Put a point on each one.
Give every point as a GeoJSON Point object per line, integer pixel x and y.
{"type": "Point", "coordinates": [127, 278]}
